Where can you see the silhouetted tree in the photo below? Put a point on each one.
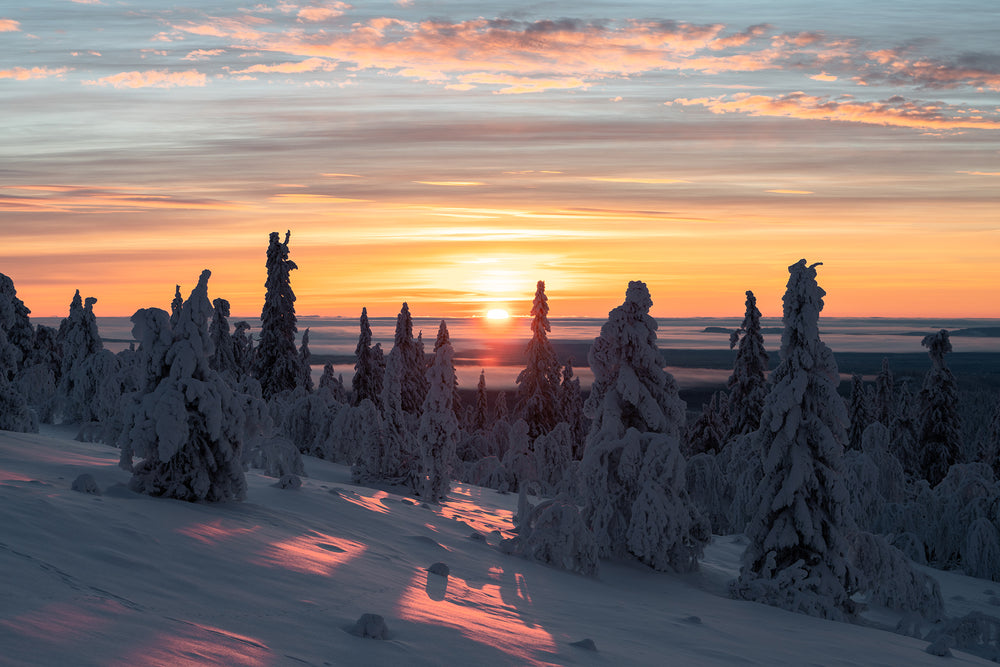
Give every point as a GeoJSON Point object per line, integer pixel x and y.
{"type": "Point", "coordinates": [277, 362]}
{"type": "Point", "coordinates": [748, 383]}
{"type": "Point", "coordinates": [538, 383]}
{"type": "Point", "coordinates": [940, 436]}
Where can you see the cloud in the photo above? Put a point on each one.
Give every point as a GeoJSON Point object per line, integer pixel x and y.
{"type": "Point", "coordinates": [899, 67]}
{"type": "Point", "coordinates": [302, 198]}
{"type": "Point", "coordinates": [203, 54]}
{"type": "Point", "coordinates": [451, 184]}
{"type": "Point", "coordinates": [308, 65]}
{"type": "Point", "coordinates": [151, 79]}
{"type": "Point", "coordinates": [980, 173]}
{"type": "Point", "coordinates": [87, 199]}
{"type": "Point", "coordinates": [823, 76]}
{"type": "Point", "coordinates": [24, 74]}
{"type": "Point", "coordinates": [895, 111]}
{"type": "Point", "coordinates": [323, 13]}
{"type": "Point", "coordinates": [647, 181]}
{"type": "Point", "coordinates": [791, 192]}
{"type": "Point", "coordinates": [9, 25]}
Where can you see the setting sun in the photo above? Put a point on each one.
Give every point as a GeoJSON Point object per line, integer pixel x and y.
{"type": "Point", "coordinates": [497, 314]}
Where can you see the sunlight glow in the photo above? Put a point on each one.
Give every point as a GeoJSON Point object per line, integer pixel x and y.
{"type": "Point", "coordinates": [495, 614]}
{"type": "Point", "coordinates": [313, 553]}
{"type": "Point", "coordinates": [497, 314]}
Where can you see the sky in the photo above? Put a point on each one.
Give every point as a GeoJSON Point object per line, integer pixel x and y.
{"type": "Point", "coordinates": [450, 155]}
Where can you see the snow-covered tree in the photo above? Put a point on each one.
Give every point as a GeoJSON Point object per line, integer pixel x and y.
{"type": "Point", "coordinates": [243, 349]}
{"type": "Point", "coordinates": [305, 369]}
{"type": "Point", "coordinates": [224, 355]}
{"type": "Point", "coordinates": [277, 364]}
{"type": "Point", "coordinates": [709, 432]}
{"type": "Point", "coordinates": [186, 423]}
{"type": "Point", "coordinates": [175, 306]}
{"type": "Point", "coordinates": [991, 453]}
{"type": "Point", "coordinates": [632, 474]}
{"type": "Point", "coordinates": [443, 337]}
{"type": "Point", "coordinates": [797, 556]}
{"type": "Point", "coordinates": [940, 434]}
{"type": "Point", "coordinates": [538, 383]}
{"type": "Point", "coordinates": [885, 397]}
{"type": "Point", "coordinates": [631, 389]}
{"type": "Point", "coordinates": [554, 533]}
{"type": "Point", "coordinates": [368, 365]}
{"type": "Point", "coordinates": [15, 414]}
{"type": "Point", "coordinates": [411, 352]}
{"type": "Point", "coordinates": [500, 411]}
{"type": "Point", "coordinates": [80, 342]}
{"type": "Point", "coordinates": [480, 416]}
{"type": "Point", "coordinates": [437, 436]}
{"type": "Point", "coordinates": [333, 384]}
{"type": "Point", "coordinates": [19, 332]}
{"type": "Point", "coordinates": [571, 409]}
{"type": "Point", "coordinates": [860, 411]}
{"type": "Point", "coordinates": [748, 384]}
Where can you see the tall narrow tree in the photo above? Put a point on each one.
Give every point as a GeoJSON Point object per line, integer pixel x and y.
{"type": "Point", "coordinates": [940, 436]}
{"type": "Point", "coordinates": [797, 556]}
{"type": "Point", "coordinates": [438, 432]}
{"type": "Point", "coordinates": [277, 362]}
{"type": "Point", "coordinates": [410, 351]}
{"type": "Point", "coordinates": [748, 383]}
{"type": "Point", "coordinates": [538, 383]}
{"type": "Point", "coordinates": [481, 416]}
{"type": "Point", "coordinates": [368, 368]}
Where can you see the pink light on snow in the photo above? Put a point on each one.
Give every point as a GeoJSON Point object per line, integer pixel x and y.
{"type": "Point", "coordinates": [212, 532]}
{"type": "Point", "coordinates": [313, 553]}
{"type": "Point", "coordinates": [62, 622]}
{"type": "Point", "coordinates": [495, 614]}
{"type": "Point", "coordinates": [195, 644]}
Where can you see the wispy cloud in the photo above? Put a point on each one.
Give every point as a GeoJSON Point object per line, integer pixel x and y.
{"type": "Point", "coordinates": [308, 65]}
{"type": "Point", "coordinates": [628, 179]}
{"type": "Point", "coordinates": [25, 73]}
{"type": "Point", "coordinates": [305, 198]}
{"type": "Point", "coordinates": [980, 173]}
{"type": "Point", "coordinates": [323, 12]}
{"type": "Point", "coordinates": [791, 192]}
{"type": "Point", "coordinates": [895, 111]}
{"type": "Point", "coordinates": [451, 184]}
{"type": "Point", "coordinates": [82, 199]}
{"type": "Point", "coordinates": [9, 25]}
{"type": "Point", "coordinates": [151, 79]}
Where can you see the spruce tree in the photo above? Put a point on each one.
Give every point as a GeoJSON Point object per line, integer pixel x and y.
{"type": "Point", "coordinates": [885, 398]}
{"type": "Point", "coordinates": [538, 383]}
{"type": "Point", "coordinates": [940, 434]}
{"type": "Point", "coordinates": [15, 415]}
{"type": "Point", "coordinates": [860, 411]}
{"type": "Point", "coordinates": [748, 383]}
{"type": "Point", "coordinates": [186, 422]}
{"type": "Point", "coordinates": [224, 354]}
{"type": "Point", "coordinates": [437, 435]}
{"type": "Point", "coordinates": [797, 556]}
{"type": "Point", "coordinates": [277, 362]}
{"type": "Point", "coordinates": [632, 473]}
{"type": "Point", "coordinates": [571, 409]}
{"type": "Point", "coordinates": [481, 418]}
{"type": "Point", "coordinates": [368, 369]}
{"type": "Point", "coordinates": [305, 370]}
{"type": "Point", "coordinates": [18, 328]}
{"type": "Point", "coordinates": [410, 351]}
{"type": "Point", "coordinates": [80, 342]}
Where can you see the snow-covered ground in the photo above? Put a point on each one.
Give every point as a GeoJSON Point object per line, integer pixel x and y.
{"type": "Point", "coordinates": [281, 579]}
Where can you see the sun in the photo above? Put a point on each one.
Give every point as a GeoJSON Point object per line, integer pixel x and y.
{"type": "Point", "coordinates": [497, 314]}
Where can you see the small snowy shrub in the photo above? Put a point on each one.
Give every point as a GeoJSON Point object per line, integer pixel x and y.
{"type": "Point", "coordinates": [554, 533]}
{"type": "Point", "coordinates": [890, 580]}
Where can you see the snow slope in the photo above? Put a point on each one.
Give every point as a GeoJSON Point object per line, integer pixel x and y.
{"type": "Point", "coordinates": [126, 579]}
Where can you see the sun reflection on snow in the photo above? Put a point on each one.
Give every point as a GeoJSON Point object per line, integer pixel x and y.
{"type": "Point", "coordinates": [373, 503]}
{"type": "Point", "coordinates": [195, 644]}
{"type": "Point", "coordinates": [212, 532]}
{"type": "Point", "coordinates": [463, 505]}
{"type": "Point", "coordinates": [313, 553]}
{"type": "Point", "coordinates": [494, 614]}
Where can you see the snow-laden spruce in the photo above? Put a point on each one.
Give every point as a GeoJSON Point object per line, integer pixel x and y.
{"type": "Point", "coordinates": [186, 423]}
{"type": "Point", "coordinates": [748, 383]}
{"type": "Point", "coordinates": [369, 365]}
{"type": "Point", "coordinates": [15, 414]}
{"type": "Point", "coordinates": [940, 435]}
{"type": "Point", "coordinates": [414, 367]}
{"type": "Point", "coordinates": [80, 343]}
{"type": "Point", "coordinates": [571, 409]}
{"type": "Point", "coordinates": [632, 474]}
{"type": "Point", "coordinates": [277, 363]}
{"type": "Point", "coordinates": [438, 433]}
{"type": "Point", "coordinates": [797, 556]}
{"type": "Point", "coordinates": [538, 383]}
{"type": "Point", "coordinates": [554, 533]}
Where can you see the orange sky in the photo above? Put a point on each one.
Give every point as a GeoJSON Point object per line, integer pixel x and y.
{"type": "Point", "coordinates": [453, 162]}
